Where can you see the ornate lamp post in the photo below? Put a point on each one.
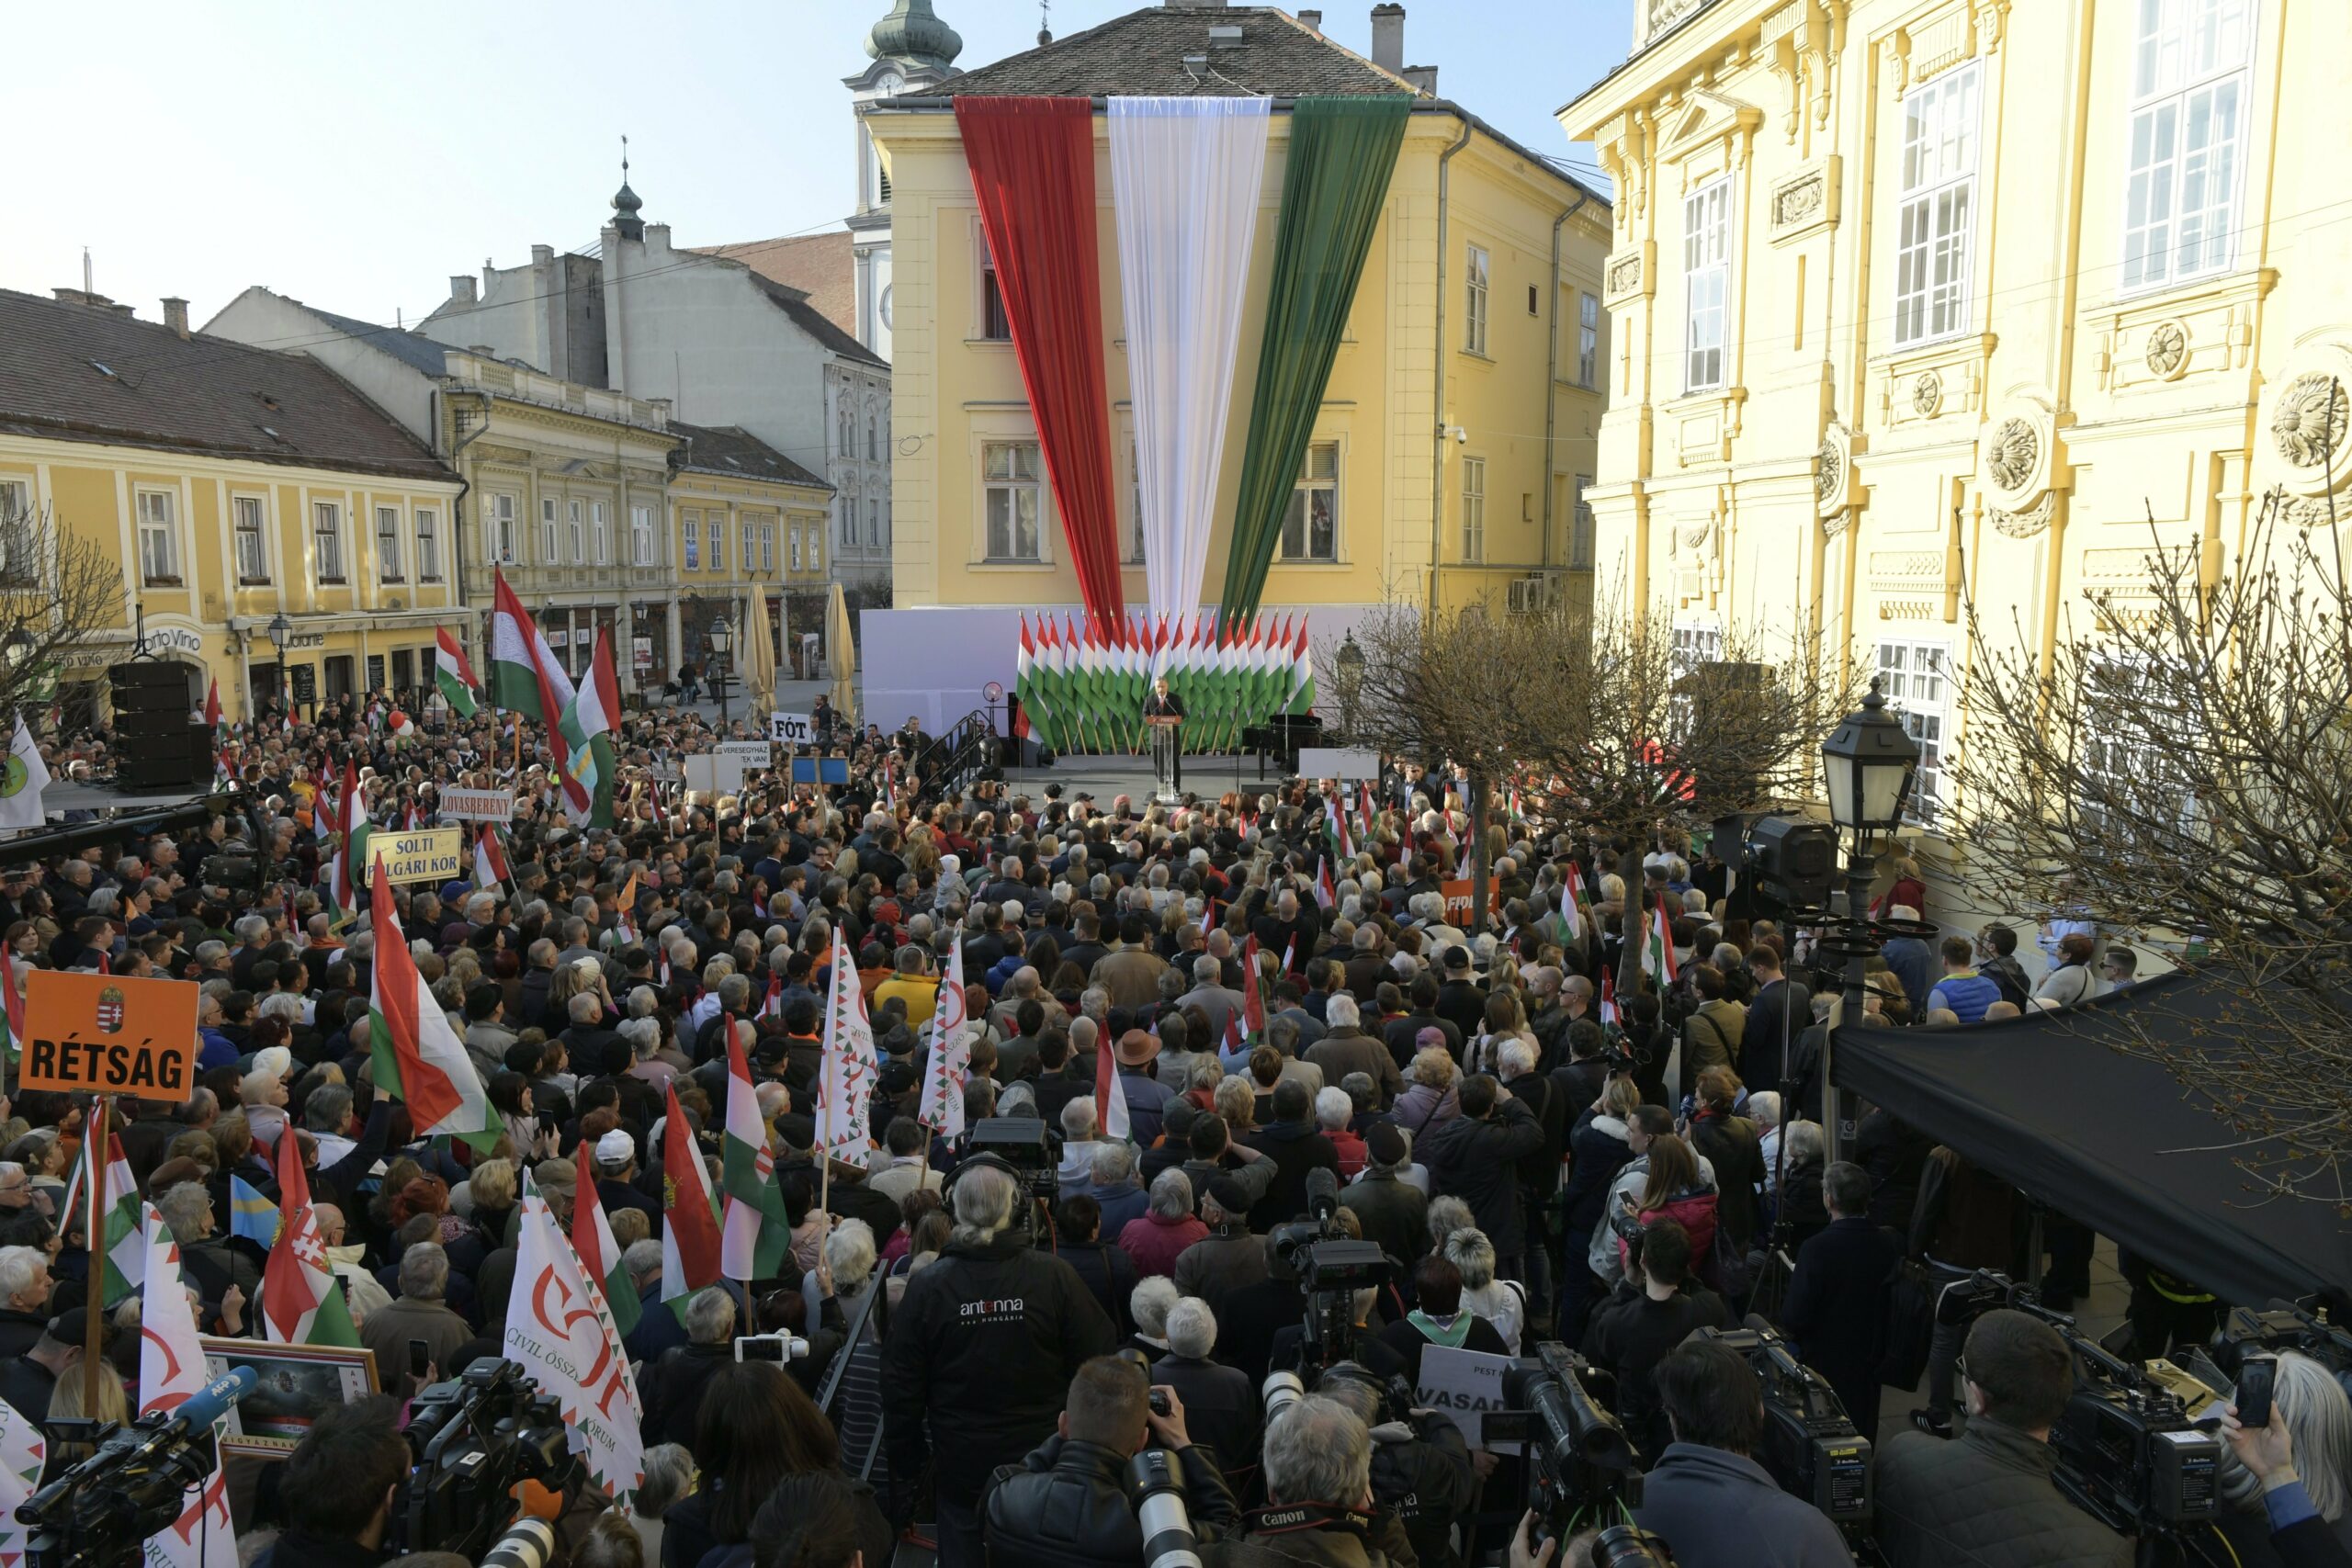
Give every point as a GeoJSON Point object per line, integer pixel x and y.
{"type": "Point", "coordinates": [721, 637]}
{"type": "Point", "coordinates": [1870, 762]}
{"type": "Point", "coordinates": [281, 635]}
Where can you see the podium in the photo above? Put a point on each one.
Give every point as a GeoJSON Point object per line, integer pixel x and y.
{"type": "Point", "coordinates": [1167, 753]}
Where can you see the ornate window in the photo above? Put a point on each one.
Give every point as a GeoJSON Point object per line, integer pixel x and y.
{"type": "Point", "coordinates": [2189, 87]}
{"type": "Point", "coordinates": [1311, 526]}
{"type": "Point", "coordinates": [159, 539]}
{"type": "Point", "coordinates": [1916, 679]}
{"type": "Point", "coordinates": [326, 540]}
{"type": "Point", "coordinates": [252, 538]}
{"type": "Point", "coordinates": [1474, 313]}
{"type": "Point", "coordinates": [388, 544]}
{"type": "Point", "coordinates": [1474, 509]}
{"type": "Point", "coordinates": [1938, 207]}
{"type": "Point", "coordinates": [1706, 283]}
{"type": "Point", "coordinates": [428, 547]}
{"type": "Point", "coordinates": [1009, 471]}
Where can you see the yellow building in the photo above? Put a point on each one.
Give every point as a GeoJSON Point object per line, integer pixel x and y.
{"type": "Point", "coordinates": [1456, 429]}
{"type": "Point", "coordinates": [234, 485]}
{"type": "Point", "coordinates": [747, 529]}
{"type": "Point", "coordinates": [1920, 302]}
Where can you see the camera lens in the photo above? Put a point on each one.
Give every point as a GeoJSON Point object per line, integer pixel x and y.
{"type": "Point", "coordinates": [1280, 1392]}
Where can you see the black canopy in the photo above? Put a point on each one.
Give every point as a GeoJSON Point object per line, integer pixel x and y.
{"type": "Point", "coordinates": [2051, 1104]}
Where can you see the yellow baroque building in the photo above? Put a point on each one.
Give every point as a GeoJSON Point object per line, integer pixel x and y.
{"type": "Point", "coordinates": [1456, 433]}
{"type": "Point", "coordinates": [232, 486]}
{"type": "Point", "coordinates": [1921, 303]}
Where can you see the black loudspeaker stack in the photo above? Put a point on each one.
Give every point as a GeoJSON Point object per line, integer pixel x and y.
{"type": "Point", "coordinates": [158, 746]}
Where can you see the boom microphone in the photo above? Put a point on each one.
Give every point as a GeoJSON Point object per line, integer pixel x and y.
{"type": "Point", "coordinates": [1322, 1193]}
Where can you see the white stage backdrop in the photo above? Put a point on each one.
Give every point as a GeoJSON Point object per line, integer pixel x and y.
{"type": "Point", "coordinates": [934, 664]}
{"type": "Point", "coordinates": [1185, 173]}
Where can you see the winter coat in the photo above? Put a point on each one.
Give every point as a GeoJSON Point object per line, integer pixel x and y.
{"type": "Point", "coordinates": [1477, 1161]}
{"type": "Point", "coordinates": [1984, 1499]}
{"type": "Point", "coordinates": [1156, 1243]}
{"type": "Point", "coordinates": [1605, 1256]}
{"type": "Point", "coordinates": [1066, 1504]}
{"type": "Point", "coordinates": [1597, 1152]}
{"type": "Point", "coordinates": [1732, 1145]}
{"type": "Point", "coordinates": [1723, 1510]}
{"type": "Point", "coordinates": [1422, 1109]}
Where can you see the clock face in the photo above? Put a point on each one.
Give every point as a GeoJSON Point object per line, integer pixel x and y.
{"type": "Point", "coordinates": [891, 82]}
{"type": "Point", "coordinates": [886, 306]}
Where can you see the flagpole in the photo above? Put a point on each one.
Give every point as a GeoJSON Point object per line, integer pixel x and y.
{"type": "Point", "coordinates": [93, 1316]}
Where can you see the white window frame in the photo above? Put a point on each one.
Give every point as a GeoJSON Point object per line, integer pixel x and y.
{"type": "Point", "coordinates": [600, 531]}
{"type": "Point", "coordinates": [691, 522]}
{"type": "Point", "coordinates": [2191, 77]}
{"type": "Point", "coordinates": [550, 533]}
{"type": "Point", "coordinates": [1916, 675]}
{"type": "Point", "coordinates": [873, 522]}
{"type": "Point", "coordinates": [1706, 286]}
{"type": "Point", "coordinates": [159, 537]}
{"type": "Point", "coordinates": [327, 544]}
{"type": "Point", "coordinates": [1588, 337]}
{"type": "Point", "coordinates": [640, 536]}
{"type": "Point", "coordinates": [1936, 206]}
{"type": "Point", "coordinates": [1303, 492]}
{"type": "Point", "coordinates": [428, 545]}
{"type": "Point", "coordinates": [750, 543]}
{"type": "Point", "coordinates": [793, 540]}
{"type": "Point", "coordinates": [767, 546]}
{"type": "Point", "coordinates": [576, 515]}
{"type": "Point", "coordinates": [388, 545]}
{"type": "Point", "coordinates": [1580, 525]}
{"type": "Point", "coordinates": [984, 275]}
{"type": "Point", "coordinates": [1474, 509]}
{"type": "Point", "coordinates": [1478, 281]}
{"type": "Point", "coordinates": [714, 548]}
{"type": "Point", "coordinates": [1005, 495]}
{"type": "Point", "coordinates": [252, 543]}
{"type": "Point", "coordinates": [502, 540]}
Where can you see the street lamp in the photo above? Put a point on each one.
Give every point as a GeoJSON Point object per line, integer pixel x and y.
{"type": "Point", "coordinates": [281, 635]}
{"type": "Point", "coordinates": [19, 646]}
{"type": "Point", "coordinates": [1348, 674]}
{"type": "Point", "coordinates": [1870, 761]}
{"type": "Point", "coordinates": [721, 638]}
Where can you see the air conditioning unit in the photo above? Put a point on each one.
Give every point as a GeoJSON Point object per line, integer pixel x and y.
{"type": "Point", "coordinates": [1527, 595]}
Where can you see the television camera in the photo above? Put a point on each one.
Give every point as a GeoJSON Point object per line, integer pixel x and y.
{"type": "Point", "coordinates": [1811, 1446]}
{"type": "Point", "coordinates": [2128, 1452]}
{"type": "Point", "coordinates": [1027, 1151]}
{"type": "Point", "coordinates": [1580, 1465]}
{"type": "Point", "coordinates": [99, 1514]}
{"type": "Point", "coordinates": [476, 1439]}
{"type": "Point", "coordinates": [2283, 1326]}
{"type": "Point", "coordinates": [1330, 1267]}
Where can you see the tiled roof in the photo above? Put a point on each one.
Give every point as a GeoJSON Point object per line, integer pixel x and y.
{"type": "Point", "coordinates": [89, 373]}
{"type": "Point", "coordinates": [813, 321]}
{"type": "Point", "coordinates": [732, 450]}
{"type": "Point", "coordinates": [1142, 53]}
{"type": "Point", "coordinates": [411, 349]}
{"type": "Point", "coordinates": [819, 266]}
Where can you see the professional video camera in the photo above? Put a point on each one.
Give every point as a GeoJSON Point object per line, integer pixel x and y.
{"type": "Point", "coordinates": [476, 1439]}
{"type": "Point", "coordinates": [2128, 1452]}
{"type": "Point", "coordinates": [2283, 1326]}
{"type": "Point", "coordinates": [97, 1514]}
{"type": "Point", "coordinates": [1810, 1445]}
{"type": "Point", "coordinates": [1580, 1465]}
{"type": "Point", "coordinates": [1330, 1269]}
{"type": "Point", "coordinates": [1026, 1145]}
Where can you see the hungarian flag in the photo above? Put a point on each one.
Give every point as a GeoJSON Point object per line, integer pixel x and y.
{"type": "Point", "coordinates": [691, 1246]}
{"type": "Point", "coordinates": [587, 725]}
{"type": "Point", "coordinates": [526, 678]}
{"type": "Point", "coordinates": [301, 1303]}
{"type": "Point", "coordinates": [846, 1080]}
{"type": "Point", "coordinates": [171, 1371]}
{"type": "Point", "coordinates": [1572, 906]}
{"type": "Point", "coordinates": [1326, 893]}
{"type": "Point", "coordinates": [1335, 831]}
{"type": "Point", "coordinates": [416, 1054]}
{"type": "Point", "coordinates": [490, 860]}
{"type": "Point", "coordinates": [1253, 1003]}
{"type": "Point", "coordinates": [1658, 953]}
{"type": "Point", "coordinates": [126, 1250]}
{"type": "Point", "coordinates": [348, 867]}
{"type": "Point", "coordinates": [600, 1255]}
{"type": "Point", "coordinates": [948, 1059]}
{"type": "Point", "coordinates": [1110, 1095]}
{"type": "Point", "coordinates": [1608, 997]}
{"type": "Point", "coordinates": [212, 703]}
{"type": "Point", "coordinates": [454, 676]}
{"type": "Point", "coordinates": [757, 1236]}
{"type": "Point", "coordinates": [12, 1010]}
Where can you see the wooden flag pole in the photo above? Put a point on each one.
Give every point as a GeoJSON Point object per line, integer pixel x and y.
{"type": "Point", "coordinates": [94, 1144]}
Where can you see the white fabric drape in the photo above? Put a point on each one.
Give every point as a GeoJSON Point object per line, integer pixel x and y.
{"type": "Point", "coordinates": [1185, 176]}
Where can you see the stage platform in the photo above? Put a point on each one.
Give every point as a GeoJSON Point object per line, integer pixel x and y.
{"type": "Point", "coordinates": [1107, 777]}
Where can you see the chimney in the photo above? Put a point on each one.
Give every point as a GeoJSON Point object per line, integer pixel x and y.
{"type": "Point", "coordinates": [1312, 21]}
{"type": "Point", "coordinates": [542, 254]}
{"type": "Point", "coordinates": [656, 236]}
{"type": "Point", "coordinates": [1424, 77]}
{"type": "Point", "coordinates": [462, 287]}
{"type": "Point", "coordinates": [1197, 4]}
{"type": "Point", "coordinates": [1388, 37]}
{"type": "Point", "coordinates": [660, 407]}
{"type": "Point", "coordinates": [176, 314]}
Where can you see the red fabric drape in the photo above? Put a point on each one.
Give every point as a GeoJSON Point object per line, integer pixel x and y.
{"type": "Point", "coordinates": [1032, 170]}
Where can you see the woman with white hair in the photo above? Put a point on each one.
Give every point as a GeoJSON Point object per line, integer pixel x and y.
{"type": "Point", "coordinates": [1501, 1302]}
{"type": "Point", "coordinates": [2313, 1408]}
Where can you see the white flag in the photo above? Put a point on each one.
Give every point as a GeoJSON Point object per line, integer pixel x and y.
{"type": "Point", "coordinates": [950, 1060]}
{"type": "Point", "coordinates": [23, 1452]}
{"type": "Point", "coordinates": [171, 1368]}
{"type": "Point", "coordinates": [846, 1082]}
{"type": "Point", "coordinates": [21, 781]}
{"type": "Point", "coordinates": [559, 1330]}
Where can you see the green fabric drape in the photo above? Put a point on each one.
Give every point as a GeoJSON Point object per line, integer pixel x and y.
{"type": "Point", "coordinates": [1342, 152]}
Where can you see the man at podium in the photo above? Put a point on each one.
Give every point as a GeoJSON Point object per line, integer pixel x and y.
{"type": "Point", "coordinates": [1163, 712]}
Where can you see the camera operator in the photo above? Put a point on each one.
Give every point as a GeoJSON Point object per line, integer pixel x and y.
{"type": "Point", "coordinates": [984, 1344]}
{"type": "Point", "coordinates": [1653, 1311]}
{"type": "Point", "coordinates": [1714, 1505]}
{"type": "Point", "coordinates": [1420, 1466]}
{"type": "Point", "coordinates": [1319, 1510]}
{"type": "Point", "coordinates": [1066, 1504]}
{"type": "Point", "coordinates": [338, 1486]}
{"type": "Point", "coordinates": [1985, 1499]}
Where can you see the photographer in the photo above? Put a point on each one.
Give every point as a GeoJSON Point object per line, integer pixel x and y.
{"type": "Point", "coordinates": [1319, 1493]}
{"type": "Point", "coordinates": [983, 1345]}
{"type": "Point", "coordinates": [338, 1486]}
{"type": "Point", "coordinates": [1987, 1497]}
{"type": "Point", "coordinates": [2301, 1533]}
{"type": "Point", "coordinates": [1420, 1466]}
{"type": "Point", "coordinates": [1714, 1505]}
{"type": "Point", "coordinates": [1635, 1328]}
{"type": "Point", "coordinates": [1066, 1504]}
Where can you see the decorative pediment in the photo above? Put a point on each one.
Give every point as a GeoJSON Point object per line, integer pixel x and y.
{"type": "Point", "coordinates": [1706, 122]}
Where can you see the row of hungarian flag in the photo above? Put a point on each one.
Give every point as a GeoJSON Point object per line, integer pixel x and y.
{"type": "Point", "coordinates": [1082, 687]}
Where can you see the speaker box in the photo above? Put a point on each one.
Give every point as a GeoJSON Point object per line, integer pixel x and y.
{"type": "Point", "coordinates": [157, 747]}
{"type": "Point", "coordinates": [150, 686]}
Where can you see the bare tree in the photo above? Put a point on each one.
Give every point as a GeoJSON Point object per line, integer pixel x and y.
{"type": "Point", "coordinates": [58, 588]}
{"type": "Point", "coordinates": [2177, 770]}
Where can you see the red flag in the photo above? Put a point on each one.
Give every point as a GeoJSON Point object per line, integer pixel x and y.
{"type": "Point", "coordinates": [213, 703]}
{"type": "Point", "coordinates": [690, 1228]}
{"type": "Point", "coordinates": [1253, 1006]}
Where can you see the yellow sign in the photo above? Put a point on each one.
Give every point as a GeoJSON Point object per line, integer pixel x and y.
{"type": "Point", "coordinates": [428, 854]}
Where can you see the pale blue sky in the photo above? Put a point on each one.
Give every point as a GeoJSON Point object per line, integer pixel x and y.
{"type": "Point", "coordinates": [355, 156]}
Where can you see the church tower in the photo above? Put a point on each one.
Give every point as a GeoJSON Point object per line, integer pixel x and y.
{"type": "Point", "coordinates": [912, 50]}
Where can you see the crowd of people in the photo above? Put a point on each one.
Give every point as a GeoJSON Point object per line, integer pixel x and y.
{"type": "Point", "coordinates": [1542, 1145]}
